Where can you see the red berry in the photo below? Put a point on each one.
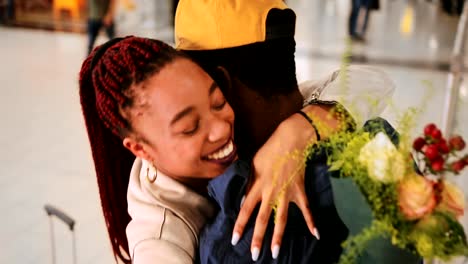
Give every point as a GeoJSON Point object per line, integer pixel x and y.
{"type": "Point", "coordinates": [429, 128]}
{"type": "Point", "coordinates": [419, 143]}
{"type": "Point", "coordinates": [465, 159]}
{"type": "Point", "coordinates": [443, 148]}
{"type": "Point", "coordinates": [457, 143]}
{"type": "Point", "coordinates": [437, 165]}
{"type": "Point", "coordinates": [431, 152]}
{"type": "Point", "coordinates": [436, 134]}
{"type": "Point", "coordinates": [457, 166]}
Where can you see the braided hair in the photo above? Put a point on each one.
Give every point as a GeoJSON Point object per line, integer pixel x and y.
{"type": "Point", "coordinates": [107, 80]}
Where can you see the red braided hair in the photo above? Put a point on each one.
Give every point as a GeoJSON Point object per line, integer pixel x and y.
{"type": "Point", "coordinates": [106, 80]}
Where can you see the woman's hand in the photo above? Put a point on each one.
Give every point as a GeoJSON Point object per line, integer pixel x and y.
{"type": "Point", "coordinates": [278, 179]}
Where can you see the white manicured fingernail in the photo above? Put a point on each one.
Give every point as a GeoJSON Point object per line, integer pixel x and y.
{"type": "Point", "coordinates": [255, 253]}
{"type": "Point", "coordinates": [275, 251]}
{"type": "Point", "coordinates": [242, 200]}
{"type": "Point", "coordinates": [235, 239]}
{"type": "Point", "coordinates": [316, 233]}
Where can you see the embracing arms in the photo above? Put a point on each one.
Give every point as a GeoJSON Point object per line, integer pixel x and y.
{"type": "Point", "coordinates": [273, 184]}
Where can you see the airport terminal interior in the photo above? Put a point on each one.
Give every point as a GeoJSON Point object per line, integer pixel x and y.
{"type": "Point", "coordinates": [45, 156]}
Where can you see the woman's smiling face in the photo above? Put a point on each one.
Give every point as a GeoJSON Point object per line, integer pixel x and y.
{"type": "Point", "coordinates": [182, 123]}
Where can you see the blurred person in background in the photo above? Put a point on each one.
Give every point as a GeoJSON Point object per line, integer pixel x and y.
{"type": "Point", "coordinates": [10, 10]}
{"type": "Point", "coordinates": [101, 14]}
{"type": "Point", "coordinates": [360, 8]}
{"type": "Point", "coordinates": [7, 12]}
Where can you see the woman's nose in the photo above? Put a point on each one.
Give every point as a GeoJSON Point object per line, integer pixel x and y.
{"type": "Point", "coordinates": [220, 130]}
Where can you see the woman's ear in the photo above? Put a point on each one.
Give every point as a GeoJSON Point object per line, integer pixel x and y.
{"type": "Point", "coordinates": [137, 148]}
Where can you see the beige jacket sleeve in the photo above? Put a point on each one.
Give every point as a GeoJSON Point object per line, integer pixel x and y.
{"type": "Point", "coordinates": [164, 238]}
{"type": "Point", "coordinates": [365, 91]}
{"type": "Point", "coordinates": [166, 218]}
{"type": "Point", "coordinates": [159, 251]}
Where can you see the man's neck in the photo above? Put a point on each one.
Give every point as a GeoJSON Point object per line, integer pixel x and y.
{"type": "Point", "coordinates": [262, 115]}
{"type": "Point", "coordinates": [279, 108]}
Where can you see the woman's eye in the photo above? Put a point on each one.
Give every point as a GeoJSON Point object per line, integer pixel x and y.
{"type": "Point", "coordinates": [191, 131]}
{"type": "Point", "coordinates": [220, 106]}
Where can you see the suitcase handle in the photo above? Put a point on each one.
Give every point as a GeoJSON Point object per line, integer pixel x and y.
{"type": "Point", "coordinates": [50, 210]}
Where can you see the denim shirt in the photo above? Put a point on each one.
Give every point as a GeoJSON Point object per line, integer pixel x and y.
{"type": "Point", "coordinates": [298, 245]}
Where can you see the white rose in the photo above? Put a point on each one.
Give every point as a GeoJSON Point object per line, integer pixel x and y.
{"type": "Point", "coordinates": [383, 161]}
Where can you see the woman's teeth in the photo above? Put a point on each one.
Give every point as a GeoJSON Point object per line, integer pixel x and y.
{"type": "Point", "coordinates": [222, 153]}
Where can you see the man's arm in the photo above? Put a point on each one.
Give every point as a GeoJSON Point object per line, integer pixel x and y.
{"type": "Point", "coordinates": [364, 91]}
{"type": "Point", "coordinates": [279, 164]}
{"type": "Point", "coordinates": [279, 174]}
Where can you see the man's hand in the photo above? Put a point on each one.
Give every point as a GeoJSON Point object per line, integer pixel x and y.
{"type": "Point", "coordinates": [278, 179]}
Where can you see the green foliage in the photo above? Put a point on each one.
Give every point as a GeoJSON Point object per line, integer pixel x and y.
{"type": "Point", "coordinates": [439, 235]}
{"type": "Point", "coordinates": [355, 245]}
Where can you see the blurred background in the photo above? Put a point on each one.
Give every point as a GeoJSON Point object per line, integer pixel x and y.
{"type": "Point", "coordinates": [45, 156]}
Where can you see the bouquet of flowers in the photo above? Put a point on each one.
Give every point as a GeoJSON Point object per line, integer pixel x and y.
{"type": "Point", "coordinates": [405, 185]}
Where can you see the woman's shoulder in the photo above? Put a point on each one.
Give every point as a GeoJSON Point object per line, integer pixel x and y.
{"type": "Point", "coordinates": [161, 233]}
{"type": "Point", "coordinates": [160, 251]}
{"type": "Point", "coordinates": [164, 213]}
{"type": "Point", "coordinates": [151, 190]}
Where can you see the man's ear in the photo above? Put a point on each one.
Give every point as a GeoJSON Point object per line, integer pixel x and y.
{"type": "Point", "coordinates": [137, 148]}
{"type": "Point", "coordinates": [224, 81]}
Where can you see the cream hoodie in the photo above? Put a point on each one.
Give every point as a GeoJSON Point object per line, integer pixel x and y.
{"type": "Point", "coordinates": [166, 218]}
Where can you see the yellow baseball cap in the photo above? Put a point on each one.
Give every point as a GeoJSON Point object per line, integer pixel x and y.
{"type": "Point", "coordinates": [218, 24]}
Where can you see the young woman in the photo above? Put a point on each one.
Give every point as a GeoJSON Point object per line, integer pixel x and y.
{"type": "Point", "coordinates": [141, 97]}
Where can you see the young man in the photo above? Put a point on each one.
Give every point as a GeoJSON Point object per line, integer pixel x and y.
{"type": "Point", "coordinates": [254, 41]}
{"type": "Point", "coordinates": [234, 35]}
